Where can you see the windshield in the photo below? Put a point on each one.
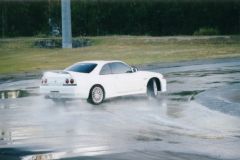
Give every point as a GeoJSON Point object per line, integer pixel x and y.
{"type": "Point", "coordinates": [82, 67]}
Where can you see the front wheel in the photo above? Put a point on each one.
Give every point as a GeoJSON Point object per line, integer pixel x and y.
{"type": "Point", "coordinates": [96, 95]}
{"type": "Point", "coordinates": [152, 90]}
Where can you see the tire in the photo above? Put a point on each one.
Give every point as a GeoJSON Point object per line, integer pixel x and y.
{"type": "Point", "coordinates": [152, 90]}
{"type": "Point", "coordinates": [96, 95]}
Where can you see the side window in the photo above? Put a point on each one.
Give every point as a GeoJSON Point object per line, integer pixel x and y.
{"type": "Point", "coordinates": [118, 68]}
{"type": "Point", "coordinates": [105, 70]}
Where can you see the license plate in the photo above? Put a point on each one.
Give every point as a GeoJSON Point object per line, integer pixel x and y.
{"type": "Point", "coordinates": [55, 94]}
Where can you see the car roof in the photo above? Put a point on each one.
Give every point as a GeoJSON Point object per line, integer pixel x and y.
{"type": "Point", "coordinates": [102, 62]}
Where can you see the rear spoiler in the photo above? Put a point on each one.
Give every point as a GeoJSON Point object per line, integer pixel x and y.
{"type": "Point", "coordinates": [57, 71]}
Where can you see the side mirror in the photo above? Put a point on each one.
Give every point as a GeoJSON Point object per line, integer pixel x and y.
{"type": "Point", "coordinates": [134, 69]}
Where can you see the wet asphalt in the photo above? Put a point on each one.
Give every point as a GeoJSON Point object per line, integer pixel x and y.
{"type": "Point", "coordinates": [198, 118]}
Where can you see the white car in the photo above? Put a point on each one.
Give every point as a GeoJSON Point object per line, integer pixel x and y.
{"type": "Point", "coordinates": [100, 80]}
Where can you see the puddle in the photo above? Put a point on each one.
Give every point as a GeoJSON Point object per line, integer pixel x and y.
{"type": "Point", "coordinates": [187, 93]}
{"type": "Point", "coordinates": [184, 96]}
{"type": "Point", "coordinates": [12, 94]}
{"type": "Point", "coordinates": [147, 138]}
{"type": "Point", "coordinates": [173, 142]}
{"type": "Point", "coordinates": [175, 81]}
{"type": "Point", "coordinates": [182, 99]}
{"type": "Point", "coordinates": [233, 82]}
{"type": "Point", "coordinates": [216, 82]}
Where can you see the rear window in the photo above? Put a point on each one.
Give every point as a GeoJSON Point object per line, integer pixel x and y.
{"type": "Point", "coordinates": [82, 67]}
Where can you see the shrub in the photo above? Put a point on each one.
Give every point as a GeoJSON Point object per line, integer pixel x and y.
{"type": "Point", "coordinates": [206, 31]}
{"type": "Point", "coordinates": [41, 35]}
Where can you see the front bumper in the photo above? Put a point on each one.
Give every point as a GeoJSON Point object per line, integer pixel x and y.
{"type": "Point", "coordinates": [163, 85]}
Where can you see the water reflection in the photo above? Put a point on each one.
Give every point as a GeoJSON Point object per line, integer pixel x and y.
{"type": "Point", "coordinates": [12, 94]}
{"type": "Point", "coordinates": [75, 152]}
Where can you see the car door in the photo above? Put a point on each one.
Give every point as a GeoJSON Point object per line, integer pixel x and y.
{"type": "Point", "coordinates": [126, 81]}
{"type": "Point", "coordinates": [108, 81]}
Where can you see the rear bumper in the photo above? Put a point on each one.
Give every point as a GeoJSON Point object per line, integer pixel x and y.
{"type": "Point", "coordinates": [63, 92]}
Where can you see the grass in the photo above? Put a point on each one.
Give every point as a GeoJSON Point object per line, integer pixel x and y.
{"type": "Point", "coordinates": [19, 55]}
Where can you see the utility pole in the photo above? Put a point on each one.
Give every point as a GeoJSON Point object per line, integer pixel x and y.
{"type": "Point", "coordinates": [66, 24]}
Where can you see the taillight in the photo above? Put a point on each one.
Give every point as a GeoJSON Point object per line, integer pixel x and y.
{"type": "Point", "coordinates": [72, 81]}
{"type": "Point", "coordinates": [44, 81]}
{"type": "Point", "coordinates": [67, 81]}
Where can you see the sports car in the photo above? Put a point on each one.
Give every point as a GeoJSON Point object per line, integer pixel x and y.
{"type": "Point", "coordinates": [96, 81]}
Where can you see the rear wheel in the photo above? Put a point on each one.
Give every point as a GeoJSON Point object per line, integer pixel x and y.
{"type": "Point", "coordinates": [96, 95]}
{"type": "Point", "coordinates": [152, 90]}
